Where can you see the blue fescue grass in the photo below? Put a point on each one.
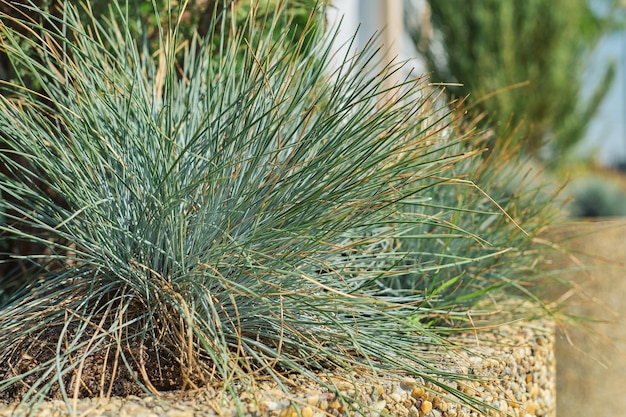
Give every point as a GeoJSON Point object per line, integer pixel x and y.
{"type": "Point", "coordinates": [234, 204]}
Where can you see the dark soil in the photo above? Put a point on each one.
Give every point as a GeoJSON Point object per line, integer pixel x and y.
{"type": "Point", "coordinates": [100, 373]}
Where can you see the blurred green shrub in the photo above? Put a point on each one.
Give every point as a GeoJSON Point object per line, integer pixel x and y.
{"type": "Point", "coordinates": [483, 222]}
{"type": "Point", "coordinates": [521, 62]}
{"type": "Point", "coordinates": [596, 196]}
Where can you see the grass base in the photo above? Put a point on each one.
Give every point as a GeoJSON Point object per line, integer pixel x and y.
{"type": "Point", "coordinates": [511, 368]}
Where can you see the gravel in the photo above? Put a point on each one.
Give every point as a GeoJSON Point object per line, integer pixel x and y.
{"type": "Point", "coordinates": [510, 368]}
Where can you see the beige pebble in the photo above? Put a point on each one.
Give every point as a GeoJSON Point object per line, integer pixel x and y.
{"type": "Point", "coordinates": [313, 399]}
{"type": "Point", "coordinates": [289, 412]}
{"type": "Point", "coordinates": [380, 405]}
{"type": "Point", "coordinates": [334, 405]}
{"type": "Point", "coordinates": [504, 406]}
{"type": "Point", "coordinates": [307, 412]}
{"type": "Point", "coordinates": [136, 398]}
{"type": "Point", "coordinates": [343, 385]}
{"type": "Point", "coordinates": [271, 405]}
{"type": "Point", "coordinates": [443, 406]}
{"type": "Point", "coordinates": [400, 411]}
{"type": "Point", "coordinates": [396, 397]}
{"type": "Point", "coordinates": [426, 407]}
{"type": "Point", "coordinates": [418, 392]}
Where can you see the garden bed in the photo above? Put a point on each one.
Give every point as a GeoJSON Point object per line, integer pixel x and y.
{"type": "Point", "coordinates": [511, 368]}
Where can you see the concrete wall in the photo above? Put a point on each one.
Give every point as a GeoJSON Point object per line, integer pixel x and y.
{"type": "Point", "coordinates": [591, 366]}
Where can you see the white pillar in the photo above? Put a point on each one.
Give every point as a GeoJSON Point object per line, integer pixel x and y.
{"type": "Point", "coordinates": [346, 14]}
{"type": "Point", "coordinates": [369, 17]}
{"type": "Point", "coordinates": [392, 27]}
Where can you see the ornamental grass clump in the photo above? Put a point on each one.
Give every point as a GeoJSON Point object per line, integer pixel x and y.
{"type": "Point", "coordinates": [220, 209]}
{"type": "Point", "coordinates": [477, 238]}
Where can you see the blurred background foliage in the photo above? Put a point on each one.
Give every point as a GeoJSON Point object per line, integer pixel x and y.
{"type": "Point", "coordinates": [197, 17]}
{"type": "Point", "coordinates": [519, 61]}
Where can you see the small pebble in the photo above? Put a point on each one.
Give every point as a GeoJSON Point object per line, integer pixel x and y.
{"type": "Point", "coordinates": [443, 406]}
{"type": "Point", "coordinates": [289, 412]}
{"type": "Point", "coordinates": [418, 392]}
{"type": "Point", "coordinates": [334, 405]}
{"type": "Point", "coordinates": [312, 400]}
{"type": "Point", "coordinates": [380, 405]}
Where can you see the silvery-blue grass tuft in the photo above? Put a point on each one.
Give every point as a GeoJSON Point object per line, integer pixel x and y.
{"type": "Point", "coordinates": [217, 209]}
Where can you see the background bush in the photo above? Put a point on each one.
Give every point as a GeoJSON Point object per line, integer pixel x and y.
{"type": "Point", "coordinates": [521, 62]}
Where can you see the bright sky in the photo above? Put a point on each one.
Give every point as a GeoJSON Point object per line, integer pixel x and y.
{"type": "Point", "coordinates": [607, 132]}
